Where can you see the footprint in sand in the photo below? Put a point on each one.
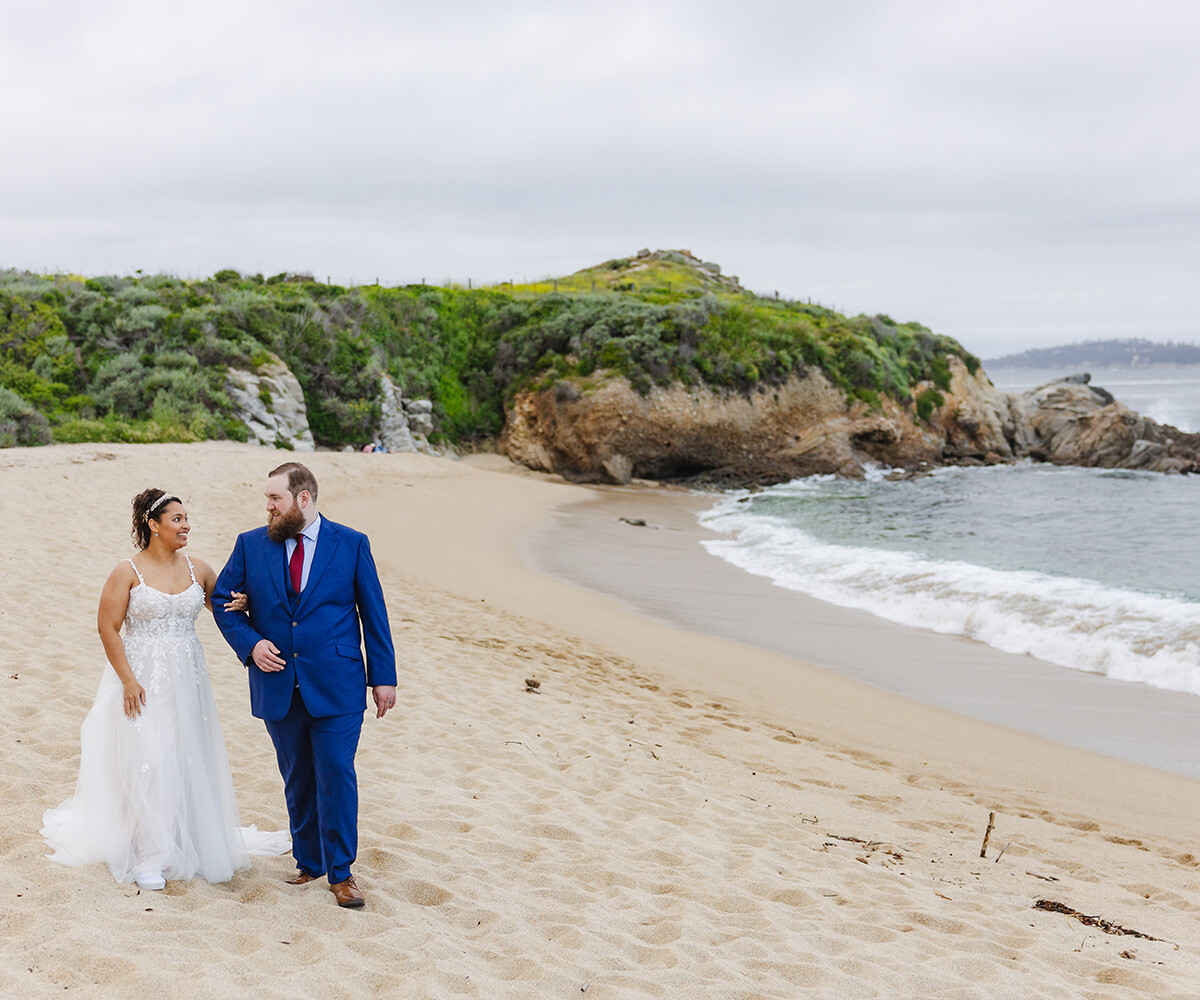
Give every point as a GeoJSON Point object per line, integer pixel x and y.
{"type": "Point", "coordinates": [424, 893]}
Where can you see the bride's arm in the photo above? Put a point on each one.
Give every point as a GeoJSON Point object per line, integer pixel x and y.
{"type": "Point", "coordinates": [114, 601]}
{"type": "Point", "coordinates": [208, 580]}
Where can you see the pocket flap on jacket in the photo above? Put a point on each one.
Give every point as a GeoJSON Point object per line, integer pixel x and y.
{"type": "Point", "coordinates": [353, 652]}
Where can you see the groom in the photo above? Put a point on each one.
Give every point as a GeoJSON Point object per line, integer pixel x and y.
{"type": "Point", "coordinates": [310, 583]}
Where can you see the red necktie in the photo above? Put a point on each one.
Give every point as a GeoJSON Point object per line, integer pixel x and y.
{"type": "Point", "coordinates": [296, 566]}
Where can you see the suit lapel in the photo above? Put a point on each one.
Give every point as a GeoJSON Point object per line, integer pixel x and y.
{"type": "Point", "coordinates": [327, 541]}
{"type": "Point", "coordinates": [274, 559]}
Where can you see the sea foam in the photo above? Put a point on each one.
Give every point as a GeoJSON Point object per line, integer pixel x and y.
{"type": "Point", "coordinates": [1077, 623]}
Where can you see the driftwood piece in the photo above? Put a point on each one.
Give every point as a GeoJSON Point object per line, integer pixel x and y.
{"type": "Point", "coordinates": [1105, 925]}
{"type": "Point", "coordinates": [987, 833]}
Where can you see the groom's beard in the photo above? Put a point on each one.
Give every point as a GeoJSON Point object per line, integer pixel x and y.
{"type": "Point", "coordinates": [285, 526]}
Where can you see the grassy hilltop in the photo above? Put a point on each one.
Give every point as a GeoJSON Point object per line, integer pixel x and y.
{"type": "Point", "coordinates": [144, 358]}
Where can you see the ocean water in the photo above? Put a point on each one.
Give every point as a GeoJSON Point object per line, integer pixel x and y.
{"type": "Point", "coordinates": [1093, 569]}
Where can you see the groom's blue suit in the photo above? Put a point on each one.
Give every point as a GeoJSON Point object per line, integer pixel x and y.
{"type": "Point", "coordinates": [313, 707]}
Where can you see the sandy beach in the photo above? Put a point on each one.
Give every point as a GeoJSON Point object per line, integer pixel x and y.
{"type": "Point", "coordinates": [674, 814]}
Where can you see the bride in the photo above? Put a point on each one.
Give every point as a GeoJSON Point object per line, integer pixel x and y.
{"type": "Point", "coordinates": [155, 795]}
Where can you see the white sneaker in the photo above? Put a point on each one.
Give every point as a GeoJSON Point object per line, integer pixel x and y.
{"type": "Point", "coordinates": [150, 881]}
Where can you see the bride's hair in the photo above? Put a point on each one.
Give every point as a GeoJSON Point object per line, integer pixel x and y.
{"type": "Point", "coordinates": [148, 506]}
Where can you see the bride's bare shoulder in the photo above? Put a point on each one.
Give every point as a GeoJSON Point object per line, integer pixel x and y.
{"type": "Point", "coordinates": [120, 582]}
{"type": "Point", "coordinates": [204, 572]}
{"type": "Point", "coordinates": [123, 571]}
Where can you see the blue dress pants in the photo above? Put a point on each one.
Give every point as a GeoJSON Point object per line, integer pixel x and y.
{"type": "Point", "coordinates": [316, 759]}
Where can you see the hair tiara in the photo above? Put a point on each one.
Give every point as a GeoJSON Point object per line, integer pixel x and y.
{"type": "Point", "coordinates": [157, 503]}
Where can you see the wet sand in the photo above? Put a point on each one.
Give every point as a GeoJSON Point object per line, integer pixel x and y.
{"type": "Point", "coordinates": [663, 570]}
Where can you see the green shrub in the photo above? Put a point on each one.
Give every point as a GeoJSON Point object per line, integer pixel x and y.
{"type": "Point", "coordinates": [868, 396]}
{"type": "Point", "coordinates": [121, 429]}
{"type": "Point", "coordinates": [234, 429]}
{"type": "Point", "coordinates": [20, 423]}
{"type": "Point", "coordinates": [939, 369]}
{"type": "Point", "coordinates": [120, 385]}
{"type": "Point", "coordinates": [927, 401]}
{"type": "Point", "coordinates": [144, 358]}
{"type": "Point", "coordinates": [136, 295]}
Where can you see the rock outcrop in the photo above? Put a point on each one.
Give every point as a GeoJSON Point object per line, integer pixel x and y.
{"type": "Point", "coordinates": [610, 433]}
{"type": "Point", "coordinates": [708, 272]}
{"type": "Point", "coordinates": [270, 402]}
{"type": "Point", "coordinates": [405, 424]}
{"type": "Point", "coordinates": [1073, 423]}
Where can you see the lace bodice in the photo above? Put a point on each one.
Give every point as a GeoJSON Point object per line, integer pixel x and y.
{"type": "Point", "coordinates": [153, 614]}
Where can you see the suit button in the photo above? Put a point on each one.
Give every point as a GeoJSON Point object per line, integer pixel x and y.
{"type": "Point", "coordinates": [293, 624]}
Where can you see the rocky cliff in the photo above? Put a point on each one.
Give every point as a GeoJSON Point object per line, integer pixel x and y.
{"type": "Point", "coordinates": [405, 424]}
{"type": "Point", "coordinates": [604, 431]}
{"type": "Point", "coordinates": [270, 402]}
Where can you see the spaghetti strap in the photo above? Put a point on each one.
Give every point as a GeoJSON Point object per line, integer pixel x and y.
{"type": "Point", "coordinates": [191, 572]}
{"type": "Point", "coordinates": [137, 571]}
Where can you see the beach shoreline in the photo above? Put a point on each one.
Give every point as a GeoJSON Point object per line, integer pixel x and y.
{"type": "Point", "coordinates": [644, 547]}
{"type": "Point", "coordinates": [674, 814]}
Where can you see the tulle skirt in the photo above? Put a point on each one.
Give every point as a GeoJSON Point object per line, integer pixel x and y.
{"type": "Point", "coordinates": [155, 794]}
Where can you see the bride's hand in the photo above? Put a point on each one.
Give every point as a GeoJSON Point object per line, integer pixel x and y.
{"type": "Point", "coordinates": [135, 698]}
{"type": "Point", "coordinates": [237, 602]}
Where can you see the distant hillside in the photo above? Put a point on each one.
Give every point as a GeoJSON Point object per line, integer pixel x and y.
{"type": "Point", "coordinates": [1133, 353]}
{"type": "Point", "coordinates": [147, 358]}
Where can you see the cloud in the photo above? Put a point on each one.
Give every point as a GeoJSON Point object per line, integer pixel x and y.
{"type": "Point", "coordinates": [1010, 174]}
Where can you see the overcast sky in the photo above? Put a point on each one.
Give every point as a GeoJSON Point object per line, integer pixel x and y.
{"type": "Point", "coordinates": [1011, 174]}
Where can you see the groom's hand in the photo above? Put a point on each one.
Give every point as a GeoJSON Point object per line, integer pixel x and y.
{"type": "Point", "coordinates": [266, 656]}
{"type": "Point", "coordinates": [385, 698]}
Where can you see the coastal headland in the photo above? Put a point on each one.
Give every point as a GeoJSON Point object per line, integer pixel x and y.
{"type": "Point", "coordinates": [670, 814]}
{"type": "Point", "coordinates": [653, 366]}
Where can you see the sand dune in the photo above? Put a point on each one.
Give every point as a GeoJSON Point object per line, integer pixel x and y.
{"type": "Point", "coordinates": [670, 816]}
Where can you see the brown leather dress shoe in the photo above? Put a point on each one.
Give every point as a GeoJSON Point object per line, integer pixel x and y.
{"type": "Point", "coordinates": [301, 878]}
{"type": "Point", "coordinates": [347, 893]}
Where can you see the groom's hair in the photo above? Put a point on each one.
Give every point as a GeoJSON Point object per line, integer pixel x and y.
{"type": "Point", "coordinates": [299, 479]}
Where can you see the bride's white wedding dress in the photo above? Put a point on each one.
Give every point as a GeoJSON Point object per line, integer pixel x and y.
{"type": "Point", "coordinates": [155, 797]}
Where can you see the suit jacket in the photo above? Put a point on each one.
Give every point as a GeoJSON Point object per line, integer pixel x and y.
{"type": "Point", "coordinates": [319, 636]}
